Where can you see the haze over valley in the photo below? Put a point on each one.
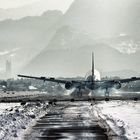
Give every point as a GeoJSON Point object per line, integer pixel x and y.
{"type": "Point", "coordinates": [55, 43]}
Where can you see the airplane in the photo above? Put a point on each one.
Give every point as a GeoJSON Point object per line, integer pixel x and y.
{"type": "Point", "coordinates": [89, 83]}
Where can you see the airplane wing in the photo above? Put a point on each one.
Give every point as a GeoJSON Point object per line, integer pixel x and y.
{"type": "Point", "coordinates": [51, 79]}
{"type": "Point", "coordinates": [127, 80]}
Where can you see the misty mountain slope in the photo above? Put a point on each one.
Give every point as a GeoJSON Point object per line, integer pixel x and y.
{"type": "Point", "coordinates": [27, 29]}
{"type": "Point", "coordinates": [105, 18]}
{"type": "Point", "coordinates": [121, 73]}
{"type": "Point", "coordinates": [67, 37]}
{"type": "Point", "coordinates": [77, 62]}
{"type": "Point", "coordinates": [123, 43]}
{"type": "Point", "coordinates": [109, 28]}
{"type": "Point", "coordinates": [24, 8]}
{"type": "Point", "coordinates": [28, 35]}
{"type": "Point", "coordinates": [17, 13]}
{"type": "Point", "coordinates": [100, 26]}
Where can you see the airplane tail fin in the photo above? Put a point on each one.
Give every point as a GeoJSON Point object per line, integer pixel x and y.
{"type": "Point", "coordinates": [93, 73]}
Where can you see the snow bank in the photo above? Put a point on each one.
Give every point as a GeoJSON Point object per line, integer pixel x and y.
{"type": "Point", "coordinates": [122, 116]}
{"type": "Point", "coordinates": [14, 118]}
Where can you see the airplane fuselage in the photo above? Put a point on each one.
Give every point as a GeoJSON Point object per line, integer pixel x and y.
{"type": "Point", "coordinates": [102, 85]}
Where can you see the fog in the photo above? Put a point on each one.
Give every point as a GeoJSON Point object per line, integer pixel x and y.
{"type": "Point", "coordinates": [57, 38]}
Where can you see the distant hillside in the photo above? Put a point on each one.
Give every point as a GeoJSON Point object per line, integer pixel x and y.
{"type": "Point", "coordinates": [28, 35]}
{"type": "Point", "coordinates": [77, 62]}
{"type": "Point", "coordinates": [21, 12]}
{"type": "Point", "coordinates": [121, 73]}
{"type": "Point", "coordinates": [36, 8]}
{"type": "Point", "coordinates": [109, 28]}
{"type": "Point", "coordinates": [105, 18]}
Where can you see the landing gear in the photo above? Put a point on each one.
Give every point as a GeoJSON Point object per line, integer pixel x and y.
{"type": "Point", "coordinates": [79, 92]}
{"type": "Point", "coordinates": [50, 102]}
{"type": "Point", "coordinates": [92, 98]}
{"type": "Point", "coordinates": [107, 95]}
{"type": "Point", "coordinates": [92, 93]}
{"type": "Point", "coordinates": [53, 102]}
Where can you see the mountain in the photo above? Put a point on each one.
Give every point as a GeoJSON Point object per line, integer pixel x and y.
{"type": "Point", "coordinates": [77, 61]}
{"type": "Point", "coordinates": [110, 28]}
{"type": "Point", "coordinates": [21, 12]}
{"type": "Point", "coordinates": [108, 20]}
{"type": "Point", "coordinates": [105, 18]}
{"type": "Point", "coordinates": [36, 8]}
{"type": "Point", "coordinates": [121, 73]}
{"type": "Point", "coordinates": [23, 39]}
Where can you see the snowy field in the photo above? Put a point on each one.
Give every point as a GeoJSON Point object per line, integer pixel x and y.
{"type": "Point", "coordinates": [16, 118]}
{"type": "Point", "coordinates": [20, 93]}
{"type": "Point", "coordinates": [122, 116]}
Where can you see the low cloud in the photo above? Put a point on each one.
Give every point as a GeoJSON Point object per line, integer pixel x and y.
{"type": "Point", "coordinates": [9, 52]}
{"type": "Point", "coordinates": [4, 53]}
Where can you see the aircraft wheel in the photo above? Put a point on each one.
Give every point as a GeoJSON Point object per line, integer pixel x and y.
{"type": "Point", "coordinates": [50, 102]}
{"type": "Point", "coordinates": [106, 99]}
{"type": "Point", "coordinates": [135, 99]}
{"type": "Point", "coordinates": [54, 100]}
{"type": "Point", "coordinates": [23, 103]}
{"type": "Point", "coordinates": [72, 100]}
{"type": "Point", "coordinates": [89, 100]}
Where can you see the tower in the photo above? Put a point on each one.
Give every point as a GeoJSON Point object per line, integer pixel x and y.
{"type": "Point", "coordinates": [8, 69]}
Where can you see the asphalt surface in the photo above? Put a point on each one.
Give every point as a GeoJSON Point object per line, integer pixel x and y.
{"type": "Point", "coordinates": [70, 121]}
{"type": "Point", "coordinates": [18, 97]}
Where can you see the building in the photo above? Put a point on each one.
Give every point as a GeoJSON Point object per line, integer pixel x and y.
{"type": "Point", "coordinates": [8, 69]}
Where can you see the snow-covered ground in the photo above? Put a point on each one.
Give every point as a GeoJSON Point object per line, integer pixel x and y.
{"type": "Point", "coordinates": [15, 118]}
{"type": "Point", "coordinates": [122, 116]}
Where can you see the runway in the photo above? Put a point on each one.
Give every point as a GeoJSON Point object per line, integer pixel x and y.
{"type": "Point", "coordinates": [70, 121]}
{"type": "Point", "coordinates": [19, 97]}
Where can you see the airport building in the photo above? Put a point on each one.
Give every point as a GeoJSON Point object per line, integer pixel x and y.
{"type": "Point", "coordinates": [7, 74]}
{"type": "Point", "coordinates": [8, 69]}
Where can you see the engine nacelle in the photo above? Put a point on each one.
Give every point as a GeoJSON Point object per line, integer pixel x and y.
{"type": "Point", "coordinates": [117, 85]}
{"type": "Point", "coordinates": [68, 85]}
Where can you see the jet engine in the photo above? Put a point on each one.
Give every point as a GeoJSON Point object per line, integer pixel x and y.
{"type": "Point", "coordinates": [68, 85]}
{"type": "Point", "coordinates": [117, 85]}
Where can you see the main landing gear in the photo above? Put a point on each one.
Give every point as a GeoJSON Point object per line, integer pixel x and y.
{"type": "Point", "coordinates": [107, 95]}
{"type": "Point", "coordinates": [79, 92]}
{"type": "Point", "coordinates": [52, 102]}
{"type": "Point", "coordinates": [92, 100]}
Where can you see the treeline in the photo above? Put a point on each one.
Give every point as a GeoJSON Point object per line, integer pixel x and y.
{"type": "Point", "coordinates": [26, 84]}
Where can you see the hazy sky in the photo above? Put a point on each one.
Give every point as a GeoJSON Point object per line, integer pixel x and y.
{"type": "Point", "coordinates": [53, 4]}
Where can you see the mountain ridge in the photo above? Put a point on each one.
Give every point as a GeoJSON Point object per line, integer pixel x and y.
{"type": "Point", "coordinates": [29, 35]}
{"type": "Point", "coordinates": [81, 31]}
